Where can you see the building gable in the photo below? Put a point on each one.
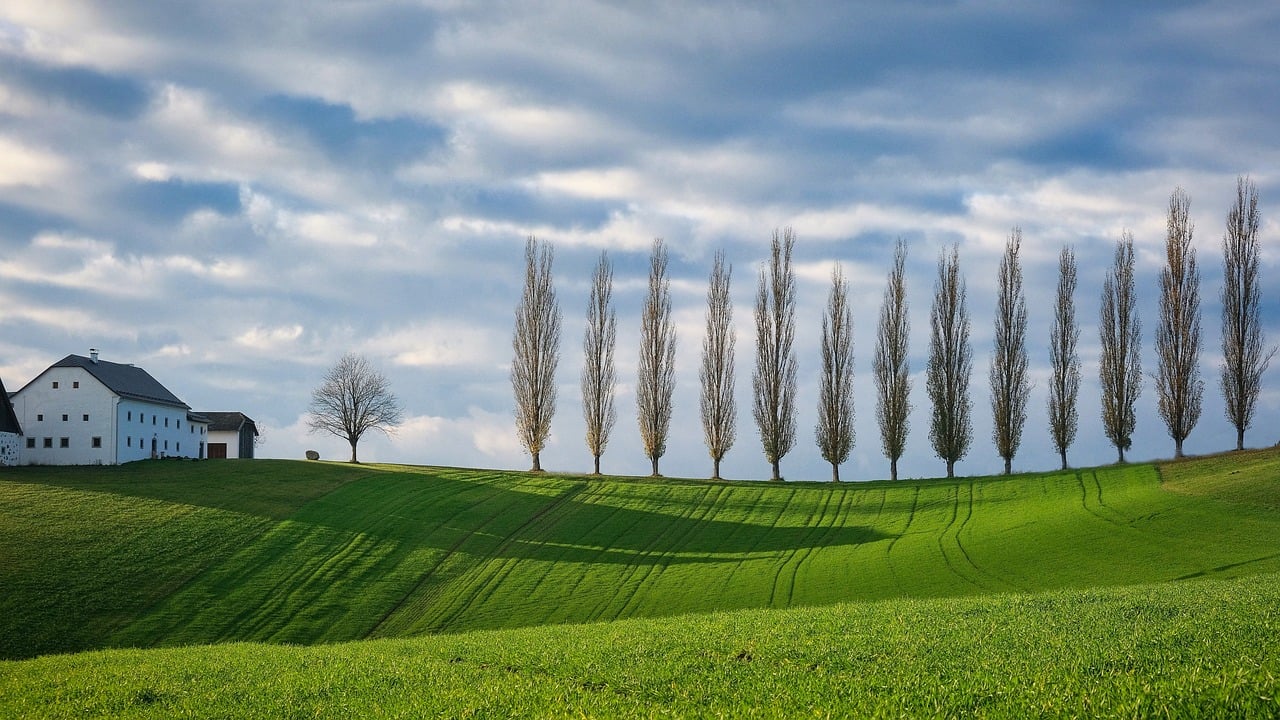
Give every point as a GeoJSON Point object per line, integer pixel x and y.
{"type": "Point", "coordinates": [8, 418]}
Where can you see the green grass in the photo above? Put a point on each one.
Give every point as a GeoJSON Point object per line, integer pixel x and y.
{"type": "Point", "coordinates": [1203, 648]}
{"type": "Point", "coordinates": [169, 553]}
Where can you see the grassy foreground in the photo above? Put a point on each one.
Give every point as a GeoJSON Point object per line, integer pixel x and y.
{"type": "Point", "coordinates": [172, 553]}
{"type": "Point", "coordinates": [1202, 648]}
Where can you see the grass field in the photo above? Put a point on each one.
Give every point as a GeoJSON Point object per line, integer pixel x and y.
{"type": "Point", "coordinates": [169, 553]}
{"type": "Point", "coordinates": [1197, 649]}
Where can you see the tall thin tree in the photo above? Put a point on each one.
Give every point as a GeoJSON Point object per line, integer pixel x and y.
{"type": "Point", "coordinates": [1120, 338]}
{"type": "Point", "coordinates": [1244, 358]}
{"type": "Point", "coordinates": [598, 378]}
{"type": "Point", "coordinates": [834, 432]}
{"type": "Point", "coordinates": [718, 406]}
{"type": "Point", "coordinates": [891, 367]}
{"type": "Point", "coordinates": [950, 364]}
{"type": "Point", "coordinates": [1010, 386]}
{"type": "Point", "coordinates": [536, 342]}
{"type": "Point", "coordinates": [656, 381]}
{"type": "Point", "coordinates": [774, 380]}
{"type": "Point", "coordinates": [1064, 360]}
{"type": "Point", "coordinates": [1178, 385]}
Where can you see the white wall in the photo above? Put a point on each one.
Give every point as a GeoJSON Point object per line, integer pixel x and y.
{"type": "Point", "coordinates": [125, 427]}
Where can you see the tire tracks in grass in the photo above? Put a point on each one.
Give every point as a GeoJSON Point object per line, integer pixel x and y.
{"type": "Point", "coordinates": [998, 583]}
{"type": "Point", "coordinates": [691, 526]}
{"type": "Point", "coordinates": [487, 582]}
{"type": "Point", "coordinates": [415, 596]}
{"type": "Point", "coordinates": [954, 495]}
{"type": "Point", "coordinates": [800, 555]}
{"type": "Point", "coordinates": [911, 516]}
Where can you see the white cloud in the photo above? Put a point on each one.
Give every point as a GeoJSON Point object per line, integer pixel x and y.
{"type": "Point", "coordinates": [25, 166]}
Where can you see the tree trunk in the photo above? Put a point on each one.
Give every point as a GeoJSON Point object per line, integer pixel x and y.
{"type": "Point", "coordinates": [1177, 448]}
{"type": "Point", "coordinates": [777, 475]}
{"type": "Point", "coordinates": [951, 468]}
{"type": "Point", "coordinates": [597, 462]}
{"type": "Point", "coordinates": [715, 469]}
{"type": "Point", "coordinates": [1008, 466]}
{"type": "Point", "coordinates": [1064, 458]}
{"type": "Point", "coordinates": [1239, 438]}
{"type": "Point", "coordinates": [1121, 451]}
{"type": "Point", "coordinates": [353, 451]}
{"type": "Point", "coordinates": [537, 465]}
{"type": "Point", "coordinates": [893, 469]}
{"type": "Point", "coordinates": [835, 472]}
{"type": "Point", "coordinates": [655, 466]}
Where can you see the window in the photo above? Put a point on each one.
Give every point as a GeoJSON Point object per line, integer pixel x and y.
{"type": "Point", "coordinates": [179, 446]}
{"type": "Point", "coordinates": [55, 384]}
{"type": "Point", "coordinates": [31, 443]}
{"type": "Point", "coordinates": [64, 417]}
{"type": "Point", "coordinates": [130, 416]}
{"type": "Point", "coordinates": [179, 423]}
{"type": "Point", "coordinates": [48, 442]}
{"type": "Point", "coordinates": [128, 442]}
{"type": "Point", "coordinates": [64, 442]}
{"type": "Point", "coordinates": [40, 417]}
{"type": "Point", "coordinates": [75, 385]}
{"type": "Point", "coordinates": [96, 442]}
{"type": "Point", "coordinates": [142, 418]}
{"type": "Point", "coordinates": [86, 417]}
{"type": "Point", "coordinates": [166, 444]}
{"type": "Point", "coordinates": [166, 422]}
{"type": "Point", "coordinates": [153, 419]}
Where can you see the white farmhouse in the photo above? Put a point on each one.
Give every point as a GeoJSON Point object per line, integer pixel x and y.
{"type": "Point", "coordinates": [86, 411]}
{"type": "Point", "coordinates": [231, 435]}
{"type": "Point", "coordinates": [10, 430]}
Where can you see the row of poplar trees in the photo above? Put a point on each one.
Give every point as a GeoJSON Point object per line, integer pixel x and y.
{"type": "Point", "coordinates": [1180, 390]}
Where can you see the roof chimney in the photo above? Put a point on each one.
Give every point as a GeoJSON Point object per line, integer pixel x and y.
{"type": "Point", "coordinates": [93, 355]}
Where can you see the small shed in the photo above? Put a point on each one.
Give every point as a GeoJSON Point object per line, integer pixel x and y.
{"type": "Point", "coordinates": [231, 435]}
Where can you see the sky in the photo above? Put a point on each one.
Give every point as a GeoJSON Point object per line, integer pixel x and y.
{"type": "Point", "coordinates": [234, 194]}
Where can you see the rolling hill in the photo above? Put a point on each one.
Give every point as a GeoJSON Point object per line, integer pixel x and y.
{"type": "Point", "coordinates": [171, 553]}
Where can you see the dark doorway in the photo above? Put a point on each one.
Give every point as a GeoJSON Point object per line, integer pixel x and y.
{"type": "Point", "coordinates": [217, 451]}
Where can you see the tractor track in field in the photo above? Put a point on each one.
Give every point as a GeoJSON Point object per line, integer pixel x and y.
{"type": "Point", "coordinates": [706, 508]}
{"type": "Point", "coordinates": [800, 555]}
{"type": "Point", "coordinates": [429, 574]}
{"type": "Point", "coordinates": [782, 511]}
{"type": "Point", "coordinates": [911, 516]}
{"type": "Point", "coordinates": [489, 582]}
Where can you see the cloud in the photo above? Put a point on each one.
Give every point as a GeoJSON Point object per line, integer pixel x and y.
{"type": "Point", "coordinates": [236, 193]}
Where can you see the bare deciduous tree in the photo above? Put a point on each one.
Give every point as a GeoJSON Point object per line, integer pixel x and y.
{"type": "Point", "coordinates": [835, 433]}
{"type": "Point", "coordinates": [774, 380]}
{"type": "Point", "coordinates": [657, 360]}
{"type": "Point", "coordinates": [893, 375]}
{"type": "Point", "coordinates": [598, 377]}
{"type": "Point", "coordinates": [1178, 385]}
{"type": "Point", "coordinates": [1064, 385]}
{"type": "Point", "coordinates": [1244, 358]}
{"type": "Point", "coordinates": [719, 409]}
{"type": "Point", "coordinates": [353, 399]}
{"type": "Point", "coordinates": [950, 364]}
{"type": "Point", "coordinates": [1010, 387]}
{"type": "Point", "coordinates": [536, 342]}
{"type": "Point", "coordinates": [1120, 337]}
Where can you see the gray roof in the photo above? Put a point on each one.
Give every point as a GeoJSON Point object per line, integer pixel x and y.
{"type": "Point", "coordinates": [127, 381]}
{"type": "Point", "coordinates": [228, 421]}
{"type": "Point", "coordinates": [8, 418]}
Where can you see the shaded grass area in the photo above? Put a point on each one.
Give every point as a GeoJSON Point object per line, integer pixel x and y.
{"type": "Point", "coordinates": [156, 554]}
{"type": "Point", "coordinates": [1191, 649]}
{"type": "Point", "coordinates": [1250, 477]}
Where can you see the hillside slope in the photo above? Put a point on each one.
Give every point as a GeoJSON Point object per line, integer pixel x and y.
{"type": "Point", "coordinates": [187, 553]}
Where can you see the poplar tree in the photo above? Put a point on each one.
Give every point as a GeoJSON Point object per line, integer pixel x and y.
{"type": "Point", "coordinates": [950, 364]}
{"type": "Point", "coordinates": [1119, 335]}
{"type": "Point", "coordinates": [891, 368]}
{"type": "Point", "coordinates": [1064, 360]}
{"type": "Point", "coordinates": [835, 433]}
{"type": "Point", "coordinates": [1178, 385]}
{"type": "Point", "coordinates": [598, 378]}
{"type": "Point", "coordinates": [718, 406]}
{"type": "Point", "coordinates": [536, 342]}
{"type": "Point", "coordinates": [1010, 387]}
{"type": "Point", "coordinates": [656, 381]}
{"type": "Point", "coordinates": [774, 380]}
{"type": "Point", "coordinates": [1244, 358]}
